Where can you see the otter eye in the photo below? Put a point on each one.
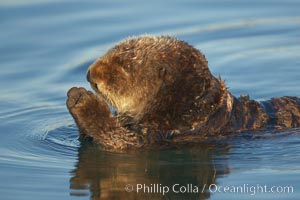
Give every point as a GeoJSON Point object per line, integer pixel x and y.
{"type": "Point", "coordinates": [127, 68]}
{"type": "Point", "coordinates": [162, 71]}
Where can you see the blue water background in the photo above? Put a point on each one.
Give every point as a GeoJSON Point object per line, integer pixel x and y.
{"type": "Point", "coordinates": [46, 48]}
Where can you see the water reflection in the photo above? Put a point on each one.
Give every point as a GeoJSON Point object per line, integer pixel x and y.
{"type": "Point", "coordinates": [103, 175]}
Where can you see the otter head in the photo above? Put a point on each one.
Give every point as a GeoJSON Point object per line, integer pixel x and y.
{"type": "Point", "coordinates": [125, 77]}
{"type": "Point", "coordinates": [156, 77]}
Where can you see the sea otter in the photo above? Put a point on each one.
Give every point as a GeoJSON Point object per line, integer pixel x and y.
{"type": "Point", "coordinates": [164, 94]}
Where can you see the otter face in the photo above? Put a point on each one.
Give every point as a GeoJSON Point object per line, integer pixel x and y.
{"type": "Point", "coordinates": [125, 80]}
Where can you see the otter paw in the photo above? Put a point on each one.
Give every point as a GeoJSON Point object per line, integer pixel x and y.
{"type": "Point", "coordinates": [90, 113]}
{"type": "Point", "coordinates": [85, 103]}
{"type": "Point", "coordinates": [76, 97]}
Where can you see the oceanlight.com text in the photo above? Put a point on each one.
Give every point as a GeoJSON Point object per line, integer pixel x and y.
{"type": "Point", "coordinates": [212, 188]}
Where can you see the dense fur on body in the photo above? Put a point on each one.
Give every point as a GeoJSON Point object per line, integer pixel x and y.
{"type": "Point", "coordinates": [164, 93]}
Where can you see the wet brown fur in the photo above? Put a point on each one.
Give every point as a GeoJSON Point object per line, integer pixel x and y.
{"type": "Point", "coordinates": [164, 94]}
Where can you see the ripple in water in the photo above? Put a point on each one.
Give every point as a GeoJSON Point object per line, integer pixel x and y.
{"type": "Point", "coordinates": [46, 150]}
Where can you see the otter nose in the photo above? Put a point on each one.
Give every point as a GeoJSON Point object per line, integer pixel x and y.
{"type": "Point", "coordinates": [88, 76]}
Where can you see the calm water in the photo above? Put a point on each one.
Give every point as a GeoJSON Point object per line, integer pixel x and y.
{"type": "Point", "coordinates": [46, 48]}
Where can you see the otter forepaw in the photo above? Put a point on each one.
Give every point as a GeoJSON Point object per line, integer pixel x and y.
{"type": "Point", "coordinates": [91, 114]}
{"type": "Point", "coordinates": [81, 102]}
{"type": "Point", "coordinates": [76, 97]}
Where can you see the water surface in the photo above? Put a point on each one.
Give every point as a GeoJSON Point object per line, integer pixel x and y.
{"type": "Point", "coordinates": [46, 48]}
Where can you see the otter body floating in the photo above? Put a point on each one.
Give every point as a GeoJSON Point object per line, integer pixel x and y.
{"type": "Point", "coordinates": [164, 95]}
